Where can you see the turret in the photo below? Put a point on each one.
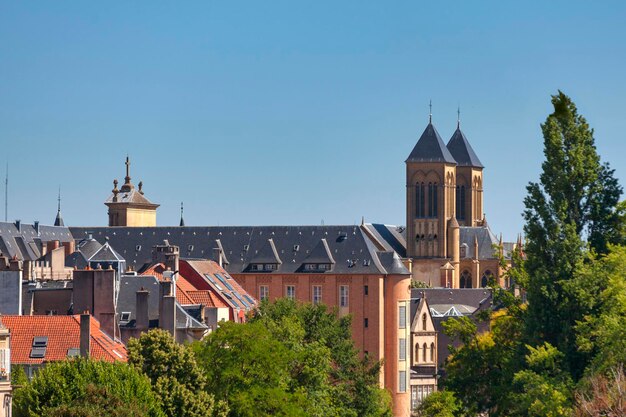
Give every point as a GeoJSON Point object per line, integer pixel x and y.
{"type": "Point", "coordinates": [454, 248]}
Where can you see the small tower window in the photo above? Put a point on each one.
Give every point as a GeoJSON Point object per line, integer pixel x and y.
{"type": "Point", "coordinates": [424, 350]}
{"type": "Point", "coordinates": [432, 199]}
{"type": "Point", "coordinates": [460, 202]}
{"type": "Point", "coordinates": [432, 352]}
{"type": "Point", "coordinates": [424, 321]}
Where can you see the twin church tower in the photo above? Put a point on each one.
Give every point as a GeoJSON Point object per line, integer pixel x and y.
{"type": "Point", "coordinates": [448, 241]}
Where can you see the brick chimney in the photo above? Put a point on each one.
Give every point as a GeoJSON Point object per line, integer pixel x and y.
{"type": "Point", "coordinates": [85, 334]}
{"type": "Point", "coordinates": [167, 308]}
{"type": "Point", "coordinates": [167, 254]}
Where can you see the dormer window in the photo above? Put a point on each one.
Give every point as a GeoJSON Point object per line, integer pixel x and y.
{"type": "Point", "coordinates": [263, 267]}
{"type": "Point", "coordinates": [317, 267]}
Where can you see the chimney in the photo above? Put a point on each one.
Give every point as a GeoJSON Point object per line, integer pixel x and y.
{"type": "Point", "coordinates": [167, 254]}
{"type": "Point", "coordinates": [217, 255]}
{"type": "Point", "coordinates": [70, 247]}
{"type": "Point", "coordinates": [141, 310]}
{"type": "Point", "coordinates": [167, 308]}
{"type": "Point", "coordinates": [85, 334]}
{"type": "Point", "coordinates": [18, 225]}
{"type": "Point", "coordinates": [36, 226]}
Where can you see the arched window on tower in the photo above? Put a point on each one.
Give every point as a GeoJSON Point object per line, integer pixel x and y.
{"type": "Point", "coordinates": [424, 321]}
{"type": "Point", "coordinates": [484, 280]}
{"type": "Point", "coordinates": [417, 352]}
{"type": "Point", "coordinates": [420, 200]}
{"type": "Point", "coordinates": [466, 280]}
{"type": "Point", "coordinates": [432, 352]}
{"type": "Point", "coordinates": [460, 202]}
{"type": "Point", "coordinates": [424, 350]}
{"type": "Point", "coordinates": [432, 199]}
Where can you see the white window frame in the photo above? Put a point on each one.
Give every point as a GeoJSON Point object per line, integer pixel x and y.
{"type": "Point", "coordinates": [264, 292]}
{"type": "Point", "coordinates": [290, 292]}
{"type": "Point", "coordinates": [316, 297]}
{"type": "Point", "coordinates": [344, 296]}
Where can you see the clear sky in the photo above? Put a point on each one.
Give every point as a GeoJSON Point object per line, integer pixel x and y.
{"type": "Point", "coordinates": [283, 112]}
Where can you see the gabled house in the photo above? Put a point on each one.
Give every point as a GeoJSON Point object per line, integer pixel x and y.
{"type": "Point", "coordinates": [423, 351]}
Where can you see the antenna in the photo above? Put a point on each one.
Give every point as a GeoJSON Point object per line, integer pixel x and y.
{"type": "Point", "coordinates": [6, 195]}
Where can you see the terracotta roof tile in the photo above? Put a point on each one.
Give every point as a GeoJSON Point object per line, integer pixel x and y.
{"type": "Point", "coordinates": [63, 333]}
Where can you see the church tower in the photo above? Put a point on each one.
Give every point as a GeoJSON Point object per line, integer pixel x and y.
{"type": "Point", "coordinates": [469, 180]}
{"type": "Point", "coordinates": [430, 196]}
{"type": "Point", "coordinates": [128, 206]}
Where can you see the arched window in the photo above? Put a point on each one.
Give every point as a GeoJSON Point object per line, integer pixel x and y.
{"type": "Point", "coordinates": [484, 281]}
{"type": "Point", "coordinates": [420, 200]}
{"type": "Point", "coordinates": [432, 352]}
{"type": "Point", "coordinates": [424, 349]}
{"type": "Point", "coordinates": [466, 280]}
{"type": "Point", "coordinates": [432, 199]}
{"type": "Point", "coordinates": [424, 321]}
{"type": "Point", "coordinates": [460, 202]}
{"type": "Point", "coordinates": [417, 352]}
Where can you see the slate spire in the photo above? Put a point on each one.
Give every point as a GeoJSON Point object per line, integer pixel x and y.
{"type": "Point", "coordinates": [430, 147]}
{"type": "Point", "coordinates": [59, 219]}
{"type": "Point", "coordinates": [461, 149]}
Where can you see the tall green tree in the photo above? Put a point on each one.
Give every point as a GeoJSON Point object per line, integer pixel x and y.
{"type": "Point", "coordinates": [176, 377]}
{"type": "Point", "coordinates": [83, 387]}
{"type": "Point", "coordinates": [573, 207]}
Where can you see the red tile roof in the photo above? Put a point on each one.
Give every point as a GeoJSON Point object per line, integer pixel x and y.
{"type": "Point", "coordinates": [63, 333]}
{"type": "Point", "coordinates": [207, 298]}
{"type": "Point", "coordinates": [186, 292]}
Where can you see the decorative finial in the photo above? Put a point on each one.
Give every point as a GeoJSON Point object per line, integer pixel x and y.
{"type": "Point", "coordinates": [127, 169]}
{"type": "Point", "coordinates": [458, 117]}
{"type": "Point", "coordinates": [140, 187]}
{"type": "Point", "coordinates": [182, 221]}
{"type": "Point", "coordinates": [59, 200]}
{"type": "Point", "coordinates": [430, 112]}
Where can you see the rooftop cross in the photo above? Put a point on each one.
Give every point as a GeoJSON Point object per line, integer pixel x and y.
{"type": "Point", "coordinates": [430, 112]}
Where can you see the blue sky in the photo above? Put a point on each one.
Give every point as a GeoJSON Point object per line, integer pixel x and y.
{"type": "Point", "coordinates": [283, 112]}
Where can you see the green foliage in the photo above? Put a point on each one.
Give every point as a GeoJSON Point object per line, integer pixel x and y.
{"type": "Point", "coordinates": [175, 376]}
{"type": "Point", "coordinates": [603, 335]}
{"type": "Point", "coordinates": [543, 389]}
{"type": "Point", "coordinates": [291, 359]}
{"type": "Point", "coordinates": [84, 387]}
{"type": "Point", "coordinates": [575, 199]}
{"type": "Point", "coordinates": [439, 404]}
{"type": "Point", "coordinates": [419, 284]}
{"type": "Point", "coordinates": [18, 376]}
{"type": "Point", "coordinates": [480, 372]}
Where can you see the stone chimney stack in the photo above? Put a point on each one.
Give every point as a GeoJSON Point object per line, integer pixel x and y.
{"type": "Point", "coordinates": [85, 334]}
{"type": "Point", "coordinates": [167, 308]}
{"type": "Point", "coordinates": [167, 254]}
{"type": "Point", "coordinates": [142, 320]}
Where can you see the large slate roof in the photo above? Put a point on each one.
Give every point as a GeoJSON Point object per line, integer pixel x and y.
{"type": "Point", "coordinates": [430, 148]}
{"type": "Point", "coordinates": [26, 242]}
{"type": "Point", "coordinates": [350, 248]}
{"type": "Point", "coordinates": [462, 151]}
{"type": "Point", "coordinates": [486, 240]}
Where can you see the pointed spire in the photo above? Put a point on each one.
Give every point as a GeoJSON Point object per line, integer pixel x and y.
{"type": "Point", "coordinates": [59, 219]}
{"type": "Point", "coordinates": [182, 221]}
{"type": "Point", "coordinates": [460, 148]}
{"type": "Point", "coordinates": [430, 147]}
